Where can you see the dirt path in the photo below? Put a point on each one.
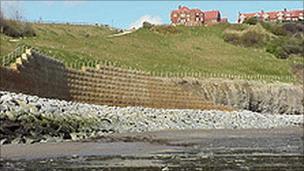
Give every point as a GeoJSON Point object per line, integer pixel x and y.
{"type": "Point", "coordinates": [252, 148]}
{"type": "Point", "coordinates": [121, 34]}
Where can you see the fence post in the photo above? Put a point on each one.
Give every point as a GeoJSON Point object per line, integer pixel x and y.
{"type": "Point", "coordinates": [3, 60]}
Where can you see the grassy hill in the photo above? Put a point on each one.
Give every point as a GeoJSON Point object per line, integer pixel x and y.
{"type": "Point", "coordinates": [170, 49]}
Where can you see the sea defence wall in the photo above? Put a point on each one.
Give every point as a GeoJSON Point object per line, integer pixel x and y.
{"type": "Point", "coordinates": [36, 74]}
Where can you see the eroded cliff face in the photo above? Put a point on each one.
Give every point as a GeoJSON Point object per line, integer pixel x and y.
{"type": "Point", "coordinates": [275, 98]}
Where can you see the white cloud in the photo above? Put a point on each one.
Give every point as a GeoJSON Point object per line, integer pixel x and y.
{"type": "Point", "coordinates": [151, 19]}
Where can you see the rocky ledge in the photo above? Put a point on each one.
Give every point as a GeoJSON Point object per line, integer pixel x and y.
{"type": "Point", "coordinates": [30, 119]}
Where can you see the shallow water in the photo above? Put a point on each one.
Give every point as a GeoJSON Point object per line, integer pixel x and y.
{"type": "Point", "coordinates": [166, 162]}
{"type": "Point", "coordinates": [255, 149]}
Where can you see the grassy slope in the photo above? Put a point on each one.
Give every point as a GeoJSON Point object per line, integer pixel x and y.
{"type": "Point", "coordinates": [191, 49]}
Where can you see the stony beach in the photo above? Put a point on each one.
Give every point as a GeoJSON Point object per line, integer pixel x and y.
{"type": "Point", "coordinates": [30, 119]}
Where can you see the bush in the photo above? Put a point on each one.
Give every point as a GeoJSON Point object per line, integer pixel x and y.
{"type": "Point", "coordinates": [147, 25]}
{"type": "Point", "coordinates": [238, 27]}
{"type": "Point", "coordinates": [252, 39]}
{"type": "Point", "coordinates": [280, 39]}
{"type": "Point", "coordinates": [274, 28]}
{"type": "Point", "coordinates": [14, 28]}
{"type": "Point", "coordinates": [165, 29]}
{"type": "Point", "coordinates": [252, 21]}
{"type": "Point", "coordinates": [293, 28]}
{"type": "Point", "coordinates": [279, 52]}
{"type": "Point", "coordinates": [232, 38]}
{"type": "Point", "coordinates": [284, 47]}
{"type": "Point", "coordinates": [28, 30]}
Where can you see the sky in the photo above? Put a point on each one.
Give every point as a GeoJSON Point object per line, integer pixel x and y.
{"type": "Point", "coordinates": [127, 14]}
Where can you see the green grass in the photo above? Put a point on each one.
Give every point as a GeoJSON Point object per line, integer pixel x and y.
{"type": "Point", "coordinates": [197, 49]}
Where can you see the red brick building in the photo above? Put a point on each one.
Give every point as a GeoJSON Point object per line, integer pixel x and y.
{"type": "Point", "coordinates": [195, 17]}
{"type": "Point", "coordinates": [285, 15]}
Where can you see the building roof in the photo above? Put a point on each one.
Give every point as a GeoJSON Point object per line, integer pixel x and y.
{"type": "Point", "coordinates": [248, 15]}
{"type": "Point", "coordinates": [274, 14]}
{"type": "Point", "coordinates": [295, 13]}
{"type": "Point", "coordinates": [209, 15]}
{"type": "Point", "coordinates": [183, 8]}
{"type": "Point", "coordinates": [186, 9]}
{"type": "Point", "coordinates": [196, 10]}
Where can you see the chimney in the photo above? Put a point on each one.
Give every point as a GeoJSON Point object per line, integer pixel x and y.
{"type": "Point", "coordinates": [179, 7]}
{"type": "Point", "coordinates": [262, 11]}
{"type": "Point", "coordinates": [285, 9]}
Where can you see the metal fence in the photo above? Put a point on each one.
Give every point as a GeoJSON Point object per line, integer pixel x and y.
{"type": "Point", "coordinates": [10, 58]}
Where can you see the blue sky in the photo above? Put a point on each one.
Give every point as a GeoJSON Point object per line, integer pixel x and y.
{"type": "Point", "coordinates": [123, 14]}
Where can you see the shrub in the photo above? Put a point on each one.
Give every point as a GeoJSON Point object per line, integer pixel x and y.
{"type": "Point", "coordinates": [28, 30]}
{"type": "Point", "coordinates": [284, 47]}
{"type": "Point", "coordinates": [293, 28]}
{"type": "Point", "coordinates": [147, 25]}
{"type": "Point", "coordinates": [16, 28]}
{"type": "Point", "coordinates": [274, 28]}
{"type": "Point", "coordinates": [247, 38]}
{"type": "Point", "coordinates": [252, 21]}
{"type": "Point", "coordinates": [293, 48]}
{"type": "Point", "coordinates": [165, 29]}
{"type": "Point", "coordinates": [279, 52]}
{"type": "Point", "coordinates": [11, 28]}
{"type": "Point", "coordinates": [252, 39]}
{"type": "Point", "coordinates": [232, 38]}
{"type": "Point", "coordinates": [237, 27]}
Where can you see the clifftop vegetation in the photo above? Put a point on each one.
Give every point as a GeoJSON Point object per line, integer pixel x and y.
{"type": "Point", "coordinates": [281, 39]}
{"type": "Point", "coordinates": [156, 48]}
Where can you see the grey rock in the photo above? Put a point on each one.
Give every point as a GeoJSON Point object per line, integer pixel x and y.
{"type": "Point", "coordinates": [56, 120]}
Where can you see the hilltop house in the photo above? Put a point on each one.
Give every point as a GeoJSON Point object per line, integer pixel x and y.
{"type": "Point", "coordinates": [195, 17]}
{"type": "Point", "coordinates": [280, 16]}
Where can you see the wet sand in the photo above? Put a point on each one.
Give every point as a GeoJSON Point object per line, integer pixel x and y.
{"type": "Point", "coordinates": [268, 148]}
